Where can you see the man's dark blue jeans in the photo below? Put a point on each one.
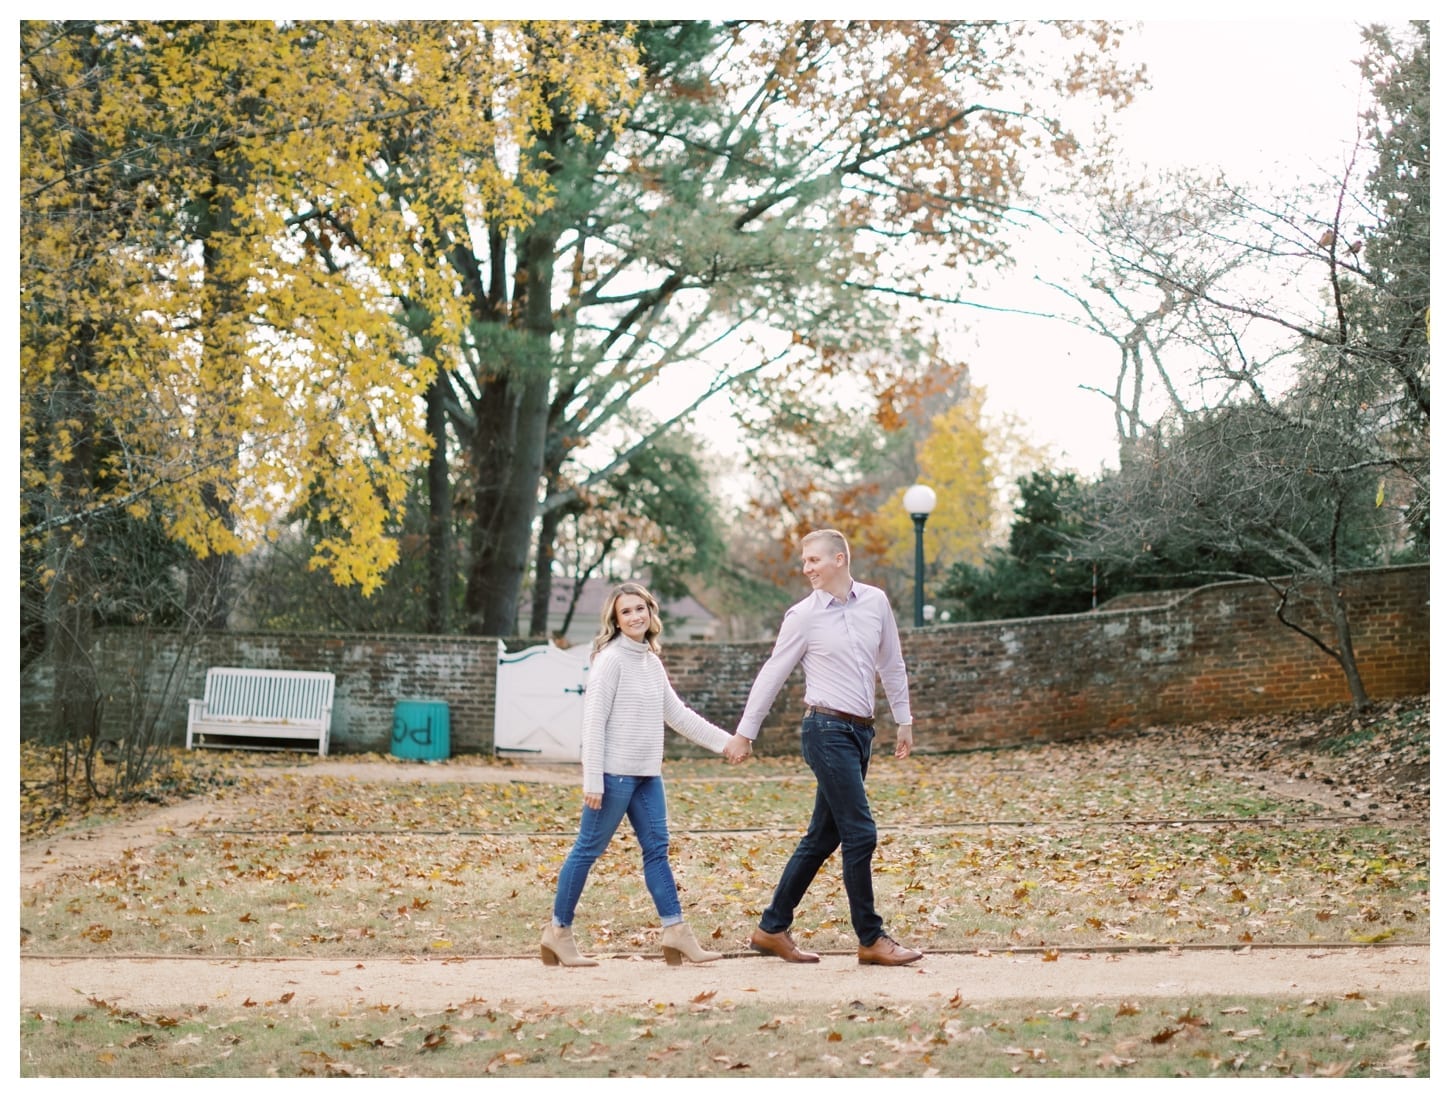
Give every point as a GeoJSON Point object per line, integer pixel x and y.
{"type": "Point", "coordinates": [838, 752]}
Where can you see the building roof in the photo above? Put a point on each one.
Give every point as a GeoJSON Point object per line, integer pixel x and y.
{"type": "Point", "coordinates": [595, 590]}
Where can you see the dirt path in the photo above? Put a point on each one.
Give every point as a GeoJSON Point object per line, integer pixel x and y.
{"type": "Point", "coordinates": [430, 985]}
{"type": "Point", "coordinates": [434, 984]}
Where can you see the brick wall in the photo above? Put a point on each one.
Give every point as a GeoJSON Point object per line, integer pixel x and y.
{"type": "Point", "coordinates": [373, 672]}
{"type": "Point", "coordinates": [1211, 653]}
{"type": "Point", "coordinates": [1215, 652]}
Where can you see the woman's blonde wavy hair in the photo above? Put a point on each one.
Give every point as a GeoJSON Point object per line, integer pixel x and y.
{"type": "Point", "coordinates": [609, 624]}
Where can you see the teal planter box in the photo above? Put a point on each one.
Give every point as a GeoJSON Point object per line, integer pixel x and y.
{"type": "Point", "coordinates": [420, 729]}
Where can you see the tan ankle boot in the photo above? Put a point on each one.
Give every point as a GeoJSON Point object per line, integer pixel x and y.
{"type": "Point", "coordinates": [557, 948]}
{"type": "Point", "coordinates": [679, 943]}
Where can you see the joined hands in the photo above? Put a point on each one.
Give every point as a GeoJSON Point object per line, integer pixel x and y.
{"type": "Point", "coordinates": [737, 749]}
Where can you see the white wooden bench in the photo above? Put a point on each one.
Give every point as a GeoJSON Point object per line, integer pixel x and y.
{"type": "Point", "coordinates": [260, 710]}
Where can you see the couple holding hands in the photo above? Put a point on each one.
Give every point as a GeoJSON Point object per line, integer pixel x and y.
{"type": "Point", "coordinates": [843, 635]}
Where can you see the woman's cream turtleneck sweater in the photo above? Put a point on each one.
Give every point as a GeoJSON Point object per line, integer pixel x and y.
{"type": "Point", "coordinates": [627, 703]}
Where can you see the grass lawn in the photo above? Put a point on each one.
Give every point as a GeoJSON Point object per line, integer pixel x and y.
{"type": "Point", "coordinates": [1224, 1037]}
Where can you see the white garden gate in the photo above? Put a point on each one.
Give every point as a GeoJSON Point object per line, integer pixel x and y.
{"type": "Point", "coordinates": [539, 703]}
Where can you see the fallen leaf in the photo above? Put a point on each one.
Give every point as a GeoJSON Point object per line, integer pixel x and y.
{"type": "Point", "coordinates": [1110, 1060]}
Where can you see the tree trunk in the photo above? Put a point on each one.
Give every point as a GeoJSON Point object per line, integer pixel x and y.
{"type": "Point", "coordinates": [209, 591]}
{"type": "Point", "coordinates": [508, 455]}
{"type": "Point", "coordinates": [549, 523]}
{"type": "Point", "coordinates": [440, 514]}
{"type": "Point", "coordinates": [209, 588]}
{"type": "Point", "coordinates": [575, 590]}
{"type": "Point", "coordinates": [69, 600]}
{"type": "Point", "coordinates": [1347, 659]}
{"type": "Point", "coordinates": [209, 579]}
{"type": "Point", "coordinates": [508, 495]}
{"type": "Point", "coordinates": [544, 571]}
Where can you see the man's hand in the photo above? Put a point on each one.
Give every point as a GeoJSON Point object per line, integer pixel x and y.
{"type": "Point", "coordinates": [903, 740]}
{"type": "Point", "coordinates": [594, 800]}
{"type": "Point", "coordinates": [737, 748]}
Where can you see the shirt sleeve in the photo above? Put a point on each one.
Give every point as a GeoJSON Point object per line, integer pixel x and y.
{"type": "Point", "coordinates": [598, 701]}
{"type": "Point", "coordinates": [891, 666]}
{"type": "Point", "coordinates": [690, 724]}
{"type": "Point", "coordinates": [790, 647]}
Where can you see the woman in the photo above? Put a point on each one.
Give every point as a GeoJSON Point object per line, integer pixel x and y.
{"type": "Point", "coordinates": [627, 703]}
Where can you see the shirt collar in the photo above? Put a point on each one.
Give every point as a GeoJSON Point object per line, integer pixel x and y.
{"type": "Point", "coordinates": [824, 598]}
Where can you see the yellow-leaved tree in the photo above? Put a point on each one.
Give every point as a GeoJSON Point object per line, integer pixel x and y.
{"type": "Point", "coordinates": [970, 461]}
{"type": "Point", "coordinates": [215, 259]}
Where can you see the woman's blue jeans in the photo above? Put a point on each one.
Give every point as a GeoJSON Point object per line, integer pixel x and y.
{"type": "Point", "coordinates": [838, 753]}
{"type": "Point", "coordinates": [642, 799]}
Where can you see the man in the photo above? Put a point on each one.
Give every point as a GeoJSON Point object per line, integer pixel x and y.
{"type": "Point", "coordinates": [843, 634]}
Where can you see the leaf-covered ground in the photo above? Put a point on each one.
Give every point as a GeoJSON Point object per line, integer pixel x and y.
{"type": "Point", "coordinates": [1310, 829]}
{"type": "Point", "coordinates": [708, 1036]}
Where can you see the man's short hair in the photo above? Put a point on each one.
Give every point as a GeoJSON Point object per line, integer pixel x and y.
{"type": "Point", "coordinates": [834, 538]}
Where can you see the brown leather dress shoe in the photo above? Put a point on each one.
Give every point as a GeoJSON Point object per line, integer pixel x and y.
{"type": "Point", "coordinates": [782, 946]}
{"type": "Point", "coordinates": [883, 951]}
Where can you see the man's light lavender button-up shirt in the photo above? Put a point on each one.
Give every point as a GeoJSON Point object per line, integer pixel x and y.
{"type": "Point", "coordinates": [841, 647]}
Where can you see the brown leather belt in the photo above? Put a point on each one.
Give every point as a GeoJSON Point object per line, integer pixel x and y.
{"type": "Point", "coordinates": [824, 712]}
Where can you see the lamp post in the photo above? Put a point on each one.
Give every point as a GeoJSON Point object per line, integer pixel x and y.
{"type": "Point", "coordinates": [918, 501]}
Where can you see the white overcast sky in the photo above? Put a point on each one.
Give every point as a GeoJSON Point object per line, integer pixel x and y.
{"type": "Point", "coordinates": [1246, 95]}
{"type": "Point", "coordinates": [1251, 97]}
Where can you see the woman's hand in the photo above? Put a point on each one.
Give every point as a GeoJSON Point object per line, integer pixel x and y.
{"type": "Point", "coordinates": [594, 800]}
{"type": "Point", "coordinates": [737, 748]}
